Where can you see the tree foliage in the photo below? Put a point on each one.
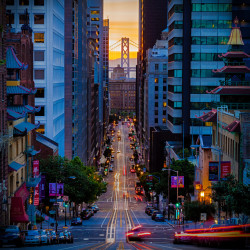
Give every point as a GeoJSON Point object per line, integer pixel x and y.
{"type": "Point", "coordinates": [84, 187]}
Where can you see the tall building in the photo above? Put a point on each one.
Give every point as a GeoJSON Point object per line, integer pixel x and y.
{"type": "Point", "coordinates": [198, 33]}
{"type": "Point", "coordinates": [46, 18]}
{"type": "Point", "coordinates": [4, 133]}
{"type": "Point", "coordinates": [95, 30]}
{"type": "Point", "coordinates": [76, 79]}
{"type": "Point", "coordinates": [106, 101]}
{"type": "Point", "coordinates": [152, 21]}
{"type": "Point", "coordinates": [155, 92]}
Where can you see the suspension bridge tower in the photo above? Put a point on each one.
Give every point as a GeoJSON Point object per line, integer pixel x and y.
{"type": "Point", "coordinates": [125, 54]}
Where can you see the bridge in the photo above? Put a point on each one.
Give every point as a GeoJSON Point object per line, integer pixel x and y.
{"type": "Point", "coordinates": [124, 43]}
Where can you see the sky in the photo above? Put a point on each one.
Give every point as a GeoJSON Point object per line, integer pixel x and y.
{"type": "Point", "coordinates": [123, 22]}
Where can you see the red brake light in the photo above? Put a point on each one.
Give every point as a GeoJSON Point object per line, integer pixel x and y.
{"type": "Point", "coordinates": [145, 233]}
{"type": "Point", "coordinates": [127, 234]}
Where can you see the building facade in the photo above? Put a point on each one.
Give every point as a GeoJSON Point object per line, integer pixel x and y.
{"type": "Point", "coordinates": [152, 21]}
{"type": "Point", "coordinates": [76, 79]}
{"type": "Point", "coordinates": [198, 33]}
{"type": "Point", "coordinates": [155, 91]}
{"type": "Point", "coordinates": [46, 18]}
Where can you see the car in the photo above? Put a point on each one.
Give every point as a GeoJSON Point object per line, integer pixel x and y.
{"type": "Point", "coordinates": [137, 233]}
{"type": "Point", "coordinates": [159, 217]}
{"type": "Point", "coordinates": [118, 151]}
{"type": "Point", "coordinates": [68, 236]}
{"type": "Point", "coordinates": [71, 238]}
{"type": "Point", "coordinates": [111, 168]}
{"type": "Point", "coordinates": [95, 207]}
{"type": "Point", "coordinates": [147, 209]}
{"type": "Point", "coordinates": [85, 214]}
{"type": "Point", "coordinates": [61, 237]}
{"type": "Point", "coordinates": [54, 237]}
{"type": "Point", "coordinates": [11, 235]}
{"type": "Point", "coordinates": [112, 160]}
{"type": "Point", "coordinates": [76, 221]}
{"type": "Point", "coordinates": [32, 237]}
{"type": "Point", "coordinates": [151, 211]}
{"type": "Point", "coordinates": [154, 214]}
{"type": "Point", "coordinates": [44, 237]}
{"type": "Point", "coordinates": [49, 236]}
{"type": "Point", "coordinates": [132, 169]}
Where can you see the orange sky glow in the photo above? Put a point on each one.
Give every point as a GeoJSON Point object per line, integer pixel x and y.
{"type": "Point", "coordinates": [123, 22]}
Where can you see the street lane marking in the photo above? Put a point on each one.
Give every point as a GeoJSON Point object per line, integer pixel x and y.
{"type": "Point", "coordinates": [120, 218]}
{"type": "Point", "coordinates": [135, 216]}
{"type": "Point", "coordinates": [105, 218]}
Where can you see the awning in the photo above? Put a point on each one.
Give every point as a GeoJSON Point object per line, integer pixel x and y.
{"type": "Point", "coordinates": [209, 117]}
{"type": "Point", "coordinates": [24, 108]}
{"type": "Point", "coordinates": [17, 212]}
{"type": "Point", "coordinates": [16, 166]}
{"type": "Point", "coordinates": [233, 127]}
{"type": "Point", "coordinates": [12, 62]}
{"type": "Point", "coordinates": [33, 152]}
{"type": "Point", "coordinates": [24, 127]}
{"type": "Point", "coordinates": [22, 192]}
{"type": "Point", "coordinates": [12, 115]}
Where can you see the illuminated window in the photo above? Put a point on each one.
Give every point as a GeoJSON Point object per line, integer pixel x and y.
{"type": "Point", "coordinates": [209, 124]}
{"type": "Point", "coordinates": [95, 12]}
{"type": "Point", "coordinates": [39, 37]}
{"type": "Point", "coordinates": [164, 104]}
{"type": "Point", "coordinates": [41, 129]}
{"type": "Point", "coordinates": [95, 19]}
{"type": "Point", "coordinates": [156, 80]}
{"type": "Point", "coordinates": [164, 120]}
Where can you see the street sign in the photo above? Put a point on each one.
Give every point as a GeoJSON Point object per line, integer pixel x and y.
{"type": "Point", "coordinates": [203, 216]}
{"type": "Point", "coordinates": [52, 200]}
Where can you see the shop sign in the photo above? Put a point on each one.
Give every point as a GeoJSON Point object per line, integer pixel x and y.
{"type": "Point", "coordinates": [213, 170]}
{"type": "Point", "coordinates": [174, 181]}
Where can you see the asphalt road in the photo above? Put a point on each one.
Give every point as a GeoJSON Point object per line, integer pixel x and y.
{"type": "Point", "coordinates": [106, 229]}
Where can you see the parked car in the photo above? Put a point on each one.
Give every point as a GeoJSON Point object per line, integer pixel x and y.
{"type": "Point", "coordinates": [44, 237]}
{"type": "Point", "coordinates": [153, 214]}
{"type": "Point", "coordinates": [151, 211]}
{"type": "Point", "coordinates": [62, 237]}
{"type": "Point", "coordinates": [147, 209]}
{"type": "Point", "coordinates": [49, 236]}
{"type": "Point", "coordinates": [76, 221]}
{"type": "Point", "coordinates": [95, 208]}
{"type": "Point", "coordinates": [68, 236]}
{"type": "Point", "coordinates": [32, 237]}
{"type": "Point", "coordinates": [159, 217]}
{"type": "Point", "coordinates": [55, 238]}
{"type": "Point", "coordinates": [85, 214]}
{"type": "Point", "coordinates": [92, 211]}
{"type": "Point", "coordinates": [11, 235]}
{"type": "Point", "coordinates": [111, 168]}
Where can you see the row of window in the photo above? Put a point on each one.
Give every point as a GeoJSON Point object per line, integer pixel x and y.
{"type": "Point", "coordinates": [212, 24]}
{"type": "Point", "coordinates": [164, 88]}
{"type": "Point", "coordinates": [164, 96]}
{"type": "Point", "coordinates": [195, 57]}
{"type": "Point", "coordinates": [38, 18]}
{"type": "Point", "coordinates": [164, 66]}
{"type": "Point", "coordinates": [164, 104]}
{"type": "Point", "coordinates": [194, 89]}
{"type": "Point", "coordinates": [200, 73]}
{"type": "Point", "coordinates": [212, 7]}
{"type": "Point", "coordinates": [164, 80]}
{"type": "Point", "coordinates": [26, 2]}
{"type": "Point", "coordinates": [164, 112]}
{"type": "Point", "coordinates": [177, 8]}
{"type": "Point", "coordinates": [163, 120]}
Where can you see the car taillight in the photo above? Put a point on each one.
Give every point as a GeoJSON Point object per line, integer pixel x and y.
{"type": "Point", "coordinates": [128, 234]}
{"type": "Point", "coordinates": [142, 234]}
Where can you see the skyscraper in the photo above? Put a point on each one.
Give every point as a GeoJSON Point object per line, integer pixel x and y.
{"type": "Point", "coordinates": [198, 33]}
{"type": "Point", "coordinates": [46, 18]}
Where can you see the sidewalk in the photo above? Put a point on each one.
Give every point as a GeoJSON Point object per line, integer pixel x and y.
{"type": "Point", "coordinates": [189, 224]}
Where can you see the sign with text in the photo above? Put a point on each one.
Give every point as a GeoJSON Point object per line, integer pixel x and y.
{"type": "Point", "coordinates": [213, 170]}
{"type": "Point", "coordinates": [174, 181]}
{"type": "Point", "coordinates": [36, 174]}
{"type": "Point", "coordinates": [42, 187]}
{"type": "Point", "coordinates": [53, 187]}
{"type": "Point", "coordinates": [225, 169]}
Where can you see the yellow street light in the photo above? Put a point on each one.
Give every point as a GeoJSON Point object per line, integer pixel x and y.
{"type": "Point", "coordinates": [202, 194]}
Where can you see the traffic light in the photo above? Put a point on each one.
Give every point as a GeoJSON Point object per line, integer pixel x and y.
{"type": "Point", "coordinates": [177, 205]}
{"type": "Point", "coordinates": [65, 204]}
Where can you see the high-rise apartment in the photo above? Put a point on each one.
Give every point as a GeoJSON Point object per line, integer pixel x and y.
{"type": "Point", "coordinates": [95, 30]}
{"type": "Point", "coordinates": [198, 33]}
{"type": "Point", "coordinates": [152, 21]}
{"type": "Point", "coordinates": [46, 18]}
{"type": "Point", "coordinates": [76, 79]}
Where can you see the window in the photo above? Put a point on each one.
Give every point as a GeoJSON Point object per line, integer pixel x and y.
{"type": "Point", "coordinates": [23, 2]}
{"type": "Point", "coordinates": [41, 129]}
{"type": "Point", "coordinates": [164, 88]}
{"type": "Point", "coordinates": [164, 96]}
{"type": "Point", "coordinates": [10, 18]}
{"type": "Point", "coordinates": [164, 120]}
{"type": "Point", "coordinates": [156, 120]}
{"type": "Point", "coordinates": [39, 37]}
{"type": "Point", "coordinates": [212, 24]}
{"type": "Point", "coordinates": [209, 40]}
{"type": "Point", "coordinates": [39, 74]}
{"type": "Point", "coordinates": [156, 80]}
{"type": "Point", "coordinates": [156, 112]}
{"type": "Point", "coordinates": [164, 104]}
{"type": "Point", "coordinates": [164, 66]}
{"type": "Point", "coordinates": [39, 2]}
{"type": "Point", "coordinates": [175, 57]}
{"type": "Point", "coordinates": [38, 55]}
{"type": "Point", "coordinates": [164, 80]}
{"type": "Point", "coordinates": [156, 66]}
{"type": "Point", "coordinates": [40, 93]}
{"type": "Point", "coordinates": [95, 12]}
{"type": "Point", "coordinates": [211, 7]}
{"type": "Point", "coordinates": [156, 96]}
{"type": "Point", "coordinates": [164, 112]}
{"type": "Point", "coordinates": [156, 88]}
{"type": "Point", "coordinates": [38, 19]}
{"type": "Point", "coordinates": [95, 19]}
{"type": "Point", "coordinates": [22, 18]}
{"type": "Point", "coordinates": [41, 112]}
{"type": "Point", "coordinates": [9, 2]}
{"type": "Point", "coordinates": [156, 104]}
{"type": "Point", "coordinates": [175, 73]}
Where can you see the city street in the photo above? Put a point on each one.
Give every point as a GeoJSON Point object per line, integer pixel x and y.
{"type": "Point", "coordinates": [106, 229]}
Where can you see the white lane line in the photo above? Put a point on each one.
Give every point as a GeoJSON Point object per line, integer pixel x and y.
{"type": "Point", "coordinates": [135, 216]}
{"type": "Point", "coordinates": [105, 218]}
